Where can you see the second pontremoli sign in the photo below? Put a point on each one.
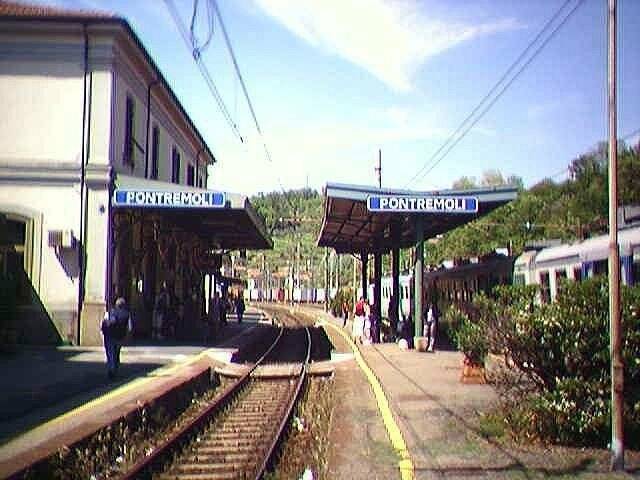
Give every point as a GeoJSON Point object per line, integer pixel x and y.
{"type": "Point", "coordinates": [426, 204]}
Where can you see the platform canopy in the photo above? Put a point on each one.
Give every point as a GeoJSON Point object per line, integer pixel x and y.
{"type": "Point", "coordinates": [363, 218]}
{"type": "Point", "coordinates": [227, 220]}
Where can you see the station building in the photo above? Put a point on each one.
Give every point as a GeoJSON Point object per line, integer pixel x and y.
{"type": "Point", "coordinates": [88, 125]}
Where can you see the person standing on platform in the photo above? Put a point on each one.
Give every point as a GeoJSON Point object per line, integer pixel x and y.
{"type": "Point", "coordinates": [160, 312]}
{"type": "Point", "coordinates": [358, 320]}
{"type": "Point", "coordinates": [345, 313]}
{"type": "Point", "coordinates": [211, 328]}
{"type": "Point", "coordinates": [430, 325]}
{"type": "Point", "coordinates": [116, 324]}
{"type": "Point", "coordinates": [240, 307]}
{"type": "Point", "coordinates": [366, 330]}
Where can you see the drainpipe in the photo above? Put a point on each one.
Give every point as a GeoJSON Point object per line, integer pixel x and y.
{"type": "Point", "coordinates": [146, 150]}
{"type": "Point", "coordinates": [83, 157]}
{"type": "Point", "coordinates": [195, 180]}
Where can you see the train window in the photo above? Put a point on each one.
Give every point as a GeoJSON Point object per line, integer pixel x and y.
{"type": "Point", "coordinates": [577, 274]}
{"type": "Point", "coordinates": [601, 267]}
{"type": "Point", "coordinates": [561, 275]}
{"type": "Point", "coordinates": [545, 287]}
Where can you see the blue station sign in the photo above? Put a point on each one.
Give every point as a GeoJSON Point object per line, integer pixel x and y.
{"type": "Point", "coordinates": [167, 199]}
{"type": "Point", "coordinates": [422, 204]}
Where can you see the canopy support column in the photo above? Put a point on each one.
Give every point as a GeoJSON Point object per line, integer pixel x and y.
{"type": "Point", "coordinates": [394, 314]}
{"type": "Point", "coordinates": [364, 256]}
{"type": "Point", "coordinates": [377, 296]}
{"type": "Point", "coordinates": [417, 278]}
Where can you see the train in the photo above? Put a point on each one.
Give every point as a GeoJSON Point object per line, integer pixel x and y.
{"type": "Point", "coordinates": [543, 266]}
{"type": "Point", "coordinates": [578, 261]}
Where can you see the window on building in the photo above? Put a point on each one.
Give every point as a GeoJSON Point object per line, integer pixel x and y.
{"type": "Point", "coordinates": [175, 165]}
{"type": "Point", "coordinates": [518, 279]}
{"type": "Point", "coordinates": [545, 287]}
{"type": "Point", "coordinates": [155, 151]}
{"type": "Point", "coordinates": [200, 181]}
{"type": "Point", "coordinates": [191, 175]}
{"type": "Point", "coordinates": [635, 267]}
{"type": "Point", "coordinates": [127, 157]}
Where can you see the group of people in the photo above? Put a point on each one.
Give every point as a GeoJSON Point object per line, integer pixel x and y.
{"type": "Point", "coordinates": [117, 323]}
{"type": "Point", "coordinates": [219, 307]}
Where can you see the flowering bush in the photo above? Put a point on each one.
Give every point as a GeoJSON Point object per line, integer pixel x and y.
{"type": "Point", "coordinates": [561, 351]}
{"type": "Point", "coordinates": [468, 335]}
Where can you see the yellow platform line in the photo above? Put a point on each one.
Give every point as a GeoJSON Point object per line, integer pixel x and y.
{"type": "Point", "coordinates": [395, 435]}
{"type": "Point", "coordinates": [121, 390]}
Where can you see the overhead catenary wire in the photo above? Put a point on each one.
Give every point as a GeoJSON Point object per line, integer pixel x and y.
{"type": "Point", "coordinates": [465, 126]}
{"type": "Point", "coordinates": [195, 52]}
{"type": "Point", "coordinates": [239, 74]}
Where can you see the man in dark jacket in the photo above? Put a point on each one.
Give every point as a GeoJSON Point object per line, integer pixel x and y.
{"type": "Point", "coordinates": [115, 327]}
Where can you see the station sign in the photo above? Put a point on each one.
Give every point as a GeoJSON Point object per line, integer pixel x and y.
{"type": "Point", "coordinates": [422, 204]}
{"type": "Point", "coordinates": [168, 199]}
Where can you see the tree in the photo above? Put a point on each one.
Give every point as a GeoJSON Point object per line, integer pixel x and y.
{"type": "Point", "coordinates": [464, 183]}
{"type": "Point", "coordinates": [492, 178]}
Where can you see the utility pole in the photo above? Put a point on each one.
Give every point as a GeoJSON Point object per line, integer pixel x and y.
{"type": "Point", "coordinates": [378, 169]}
{"type": "Point", "coordinates": [617, 372]}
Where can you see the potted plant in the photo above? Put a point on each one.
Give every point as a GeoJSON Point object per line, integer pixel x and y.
{"type": "Point", "coordinates": [472, 342]}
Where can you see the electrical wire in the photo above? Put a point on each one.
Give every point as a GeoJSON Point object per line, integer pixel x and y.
{"type": "Point", "coordinates": [434, 160]}
{"type": "Point", "coordinates": [239, 74]}
{"type": "Point", "coordinates": [186, 36]}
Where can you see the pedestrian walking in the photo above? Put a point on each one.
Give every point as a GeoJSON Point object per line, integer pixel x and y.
{"type": "Point", "coordinates": [116, 325]}
{"type": "Point", "coordinates": [160, 313]}
{"type": "Point", "coordinates": [240, 307]}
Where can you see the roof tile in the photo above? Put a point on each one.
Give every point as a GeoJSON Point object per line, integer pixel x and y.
{"type": "Point", "coordinates": [21, 9]}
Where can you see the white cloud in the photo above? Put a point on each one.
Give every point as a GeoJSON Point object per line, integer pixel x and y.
{"type": "Point", "coordinates": [320, 152]}
{"type": "Point", "coordinates": [388, 39]}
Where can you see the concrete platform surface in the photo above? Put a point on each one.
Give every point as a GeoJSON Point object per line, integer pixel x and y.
{"type": "Point", "coordinates": [41, 384]}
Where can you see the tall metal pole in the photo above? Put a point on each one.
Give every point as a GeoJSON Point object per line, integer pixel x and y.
{"type": "Point", "coordinates": [617, 372]}
{"type": "Point", "coordinates": [417, 278]}
{"type": "Point", "coordinates": [379, 169]}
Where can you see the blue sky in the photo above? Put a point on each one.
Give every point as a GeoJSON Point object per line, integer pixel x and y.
{"type": "Point", "coordinates": [333, 81]}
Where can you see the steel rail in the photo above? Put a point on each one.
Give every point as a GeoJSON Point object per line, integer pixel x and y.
{"type": "Point", "coordinates": [144, 468]}
{"type": "Point", "coordinates": [285, 419]}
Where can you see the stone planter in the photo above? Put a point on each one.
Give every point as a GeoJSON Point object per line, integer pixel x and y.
{"type": "Point", "coordinates": [421, 343]}
{"type": "Point", "coordinates": [472, 373]}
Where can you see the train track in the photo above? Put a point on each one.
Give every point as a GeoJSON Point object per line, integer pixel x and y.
{"type": "Point", "coordinates": [235, 436]}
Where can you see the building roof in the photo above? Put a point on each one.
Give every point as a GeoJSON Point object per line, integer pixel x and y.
{"type": "Point", "coordinates": [28, 12]}
{"type": "Point", "coordinates": [21, 9]}
{"type": "Point", "coordinates": [236, 226]}
{"type": "Point", "coordinates": [350, 227]}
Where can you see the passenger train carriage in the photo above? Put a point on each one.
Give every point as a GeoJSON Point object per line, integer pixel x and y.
{"type": "Point", "coordinates": [577, 261]}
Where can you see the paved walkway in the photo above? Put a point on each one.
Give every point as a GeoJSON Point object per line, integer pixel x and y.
{"type": "Point", "coordinates": [438, 419]}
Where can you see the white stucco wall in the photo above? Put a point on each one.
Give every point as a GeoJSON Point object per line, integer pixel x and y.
{"type": "Point", "coordinates": [41, 119]}
{"type": "Point", "coordinates": [128, 83]}
{"type": "Point", "coordinates": [60, 210]}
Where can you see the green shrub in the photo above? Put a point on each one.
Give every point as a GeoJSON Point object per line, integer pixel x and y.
{"type": "Point", "coordinates": [468, 335]}
{"type": "Point", "coordinates": [342, 295]}
{"type": "Point", "coordinates": [562, 351]}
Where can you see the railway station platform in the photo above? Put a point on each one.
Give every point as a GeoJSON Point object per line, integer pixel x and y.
{"type": "Point", "coordinates": [433, 426]}
{"type": "Point", "coordinates": [54, 393]}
